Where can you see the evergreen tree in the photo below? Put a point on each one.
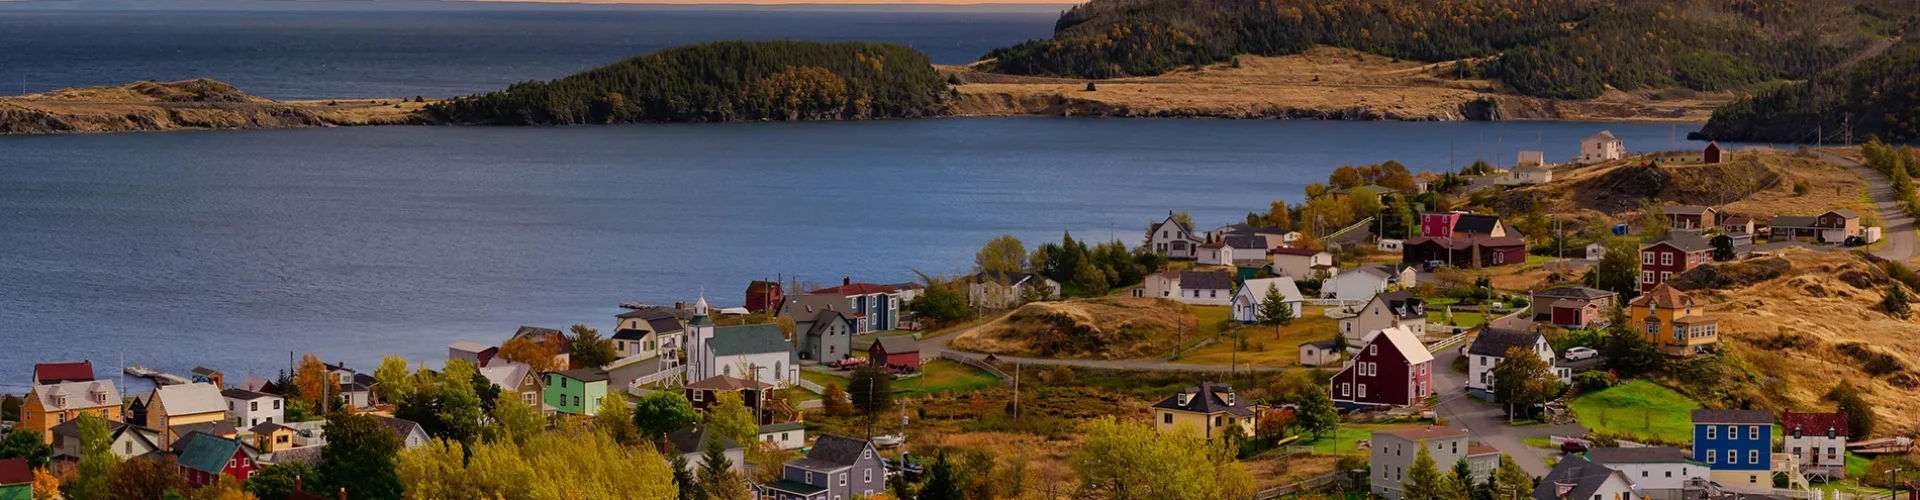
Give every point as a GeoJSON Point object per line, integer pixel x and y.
{"type": "Point", "coordinates": [1619, 268]}
{"type": "Point", "coordinates": [717, 480]}
{"type": "Point", "coordinates": [1510, 482]}
{"type": "Point", "coordinates": [1274, 309]}
{"type": "Point", "coordinates": [1461, 486]}
{"type": "Point", "coordinates": [1895, 302]}
{"type": "Point", "coordinates": [941, 484]}
{"type": "Point", "coordinates": [359, 457]}
{"type": "Point", "coordinates": [1723, 248]}
{"type": "Point", "coordinates": [25, 444]}
{"type": "Point", "coordinates": [1629, 351]}
{"type": "Point", "coordinates": [1424, 481]}
{"type": "Point", "coordinates": [98, 466]}
{"type": "Point", "coordinates": [1317, 414]}
{"type": "Point", "coordinates": [683, 479]}
{"type": "Point", "coordinates": [871, 390]}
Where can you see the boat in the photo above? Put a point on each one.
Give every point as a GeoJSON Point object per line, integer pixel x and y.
{"type": "Point", "coordinates": [888, 440]}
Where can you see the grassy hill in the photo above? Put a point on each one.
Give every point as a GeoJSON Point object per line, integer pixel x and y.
{"type": "Point", "coordinates": [1102, 328]}
{"type": "Point", "coordinates": [1543, 48]}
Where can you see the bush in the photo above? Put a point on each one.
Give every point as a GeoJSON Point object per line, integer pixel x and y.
{"type": "Point", "coordinates": [1594, 381]}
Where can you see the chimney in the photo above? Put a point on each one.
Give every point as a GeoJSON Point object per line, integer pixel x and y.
{"type": "Point", "coordinates": [846, 281]}
{"type": "Point", "coordinates": [680, 305]}
{"type": "Point", "coordinates": [296, 483]}
{"type": "Point", "coordinates": [343, 494]}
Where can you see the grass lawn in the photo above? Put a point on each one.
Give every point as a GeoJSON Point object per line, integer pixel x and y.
{"type": "Point", "coordinates": [1638, 408]}
{"type": "Point", "coordinates": [1440, 302]}
{"type": "Point", "coordinates": [945, 376]}
{"type": "Point", "coordinates": [1282, 348]}
{"type": "Point", "coordinates": [1461, 319]}
{"type": "Point", "coordinates": [1539, 259]}
{"type": "Point", "coordinates": [1349, 436]}
{"type": "Point", "coordinates": [796, 394]}
{"type": "Point", "coordinates": [1857, 466]}
{"type": "Point", "coordinates": [1537, 442]}
{"type": "Point", "coordinates": [823, 379]}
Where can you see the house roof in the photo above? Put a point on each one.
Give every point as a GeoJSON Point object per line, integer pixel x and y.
{"type": "Point", "coordinates": [1403, 304]}
{"type": "Point", "coordinates": [761, 286]}
{"type": "Point", "coordinates": [726, 383]}
{"type": "Point", "coordinates": [1467, 243]}
{"type": "Point", "coordinates": [897, 344]}
{"type": "Point", "coordinates": [1814, 423]}
{"type": "Point", "coordinates": [1302, 252]}
{"type": "Point", "coordinates": [268, 428]}
{"type": "Point", "coordinates": [693, 439]}
{"type": "Point", "coordinates": [853, 289]}
{"type": "Point", "coordinates": [244, 394]}
{"type": "Point", "coordinates": [1684, 241]}
{"type": "Point", "coordinates": [468, 346]}
{"type": "Point", "coordinates": [1257, 288]}
{"type": "Point", "coordinates": [804, 308]}
{"type": "Point", "coordinates": [1663, 296]}
{"type": "Point", "coordinates": [1202, 400]}
{"type": "Point", "coordinates": [1206, 280]}
{"type": "Point", "coordinates": [1686, 210]}
{"type": "Point", "coordinates": [50, 373]}
{"type": "Point", "coordinates": [77, 394]}
{"type": "Point", "coordinates": [1794, 221]}
{"type": "Point", "coordinates": [1604, 135]}
{"type": "Point", "coordinates": [1576, 476]}
{"type": "Point", "coordinates": [1646, 455]}
{"type": "Point", "coordinates": [1479, 450]}
{"type": "Point", "coordinates": [1002, 277]}
{"type": "Point", "coordinates": [256, 383]}
{"type": "Point", "coordinates": [824, 320]}
{"type": "Point", "coordinates": [583, 374]}
{"type": "Point", "coordinates": [1736, 220]}
{"type": "Point", "coordinates": [189, 399]}
{"type": "Point", "coordinates": [400, 426]}
{"type": "Point", "coordinates": [837, 450]}
{"type": "Point", "coordinates": [214, 428]}
{"type": "Point", "coordinates": [630, 334]}
{"type": "Point", "coordinates": [506, 374]}
{"type": "Point", "coordinates": [1424, 432]}
{"type": "Point", "coordinates": [1844, 213]}
{"type": "Point", "coordinates": [748, 339]}
{"type": "Point", "coordinates": [783, 427]}
{"type": "Point", "coordinates": [1495, 342]}
{"type": "Point", "coordinates": [1575, 292]}
{"type": "Point", "coordinates": [1176, 222]}
{"type": "Point", "coordinates": [207, 453]}
{"type": "Point", "coordinates": [15, 471]}
{"type": "Point", "coordinates": [201, 370]}
{"type": "Point", "coordinates": [1732, 417]}
{"type": "Point", "coordinates": [1475, 223]}
{"type": "Point", "coordinates": [309, 455]}
{"type": "Point", "coordinates": [1402, 339]}
{"type": "Point", "coordinates": [795, 487]}
{"type": "Point", "coordinates": [1244, 228]}
{"type": "Point", "coordinates": [1245, 240]}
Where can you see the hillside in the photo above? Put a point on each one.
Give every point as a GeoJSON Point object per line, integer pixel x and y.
{"type": "Point", "coordinates": [1103, 328]}
{"type": "Point", "coordinates": [186, 105]}
{"type": "Point", "coordinates": [1878, 95]}
{"type": "Point", "coordinates": [1754, 183]}
{"type": "Point", "coordinates": [1542, 48]}
{"type": "Point", "coordinates": [720, 82]}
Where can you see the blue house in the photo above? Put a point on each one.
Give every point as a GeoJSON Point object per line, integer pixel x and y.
{"type": "Point", "coordinates": [1737, 445]}
{"type": "Point", "coordinates": [873, 307]}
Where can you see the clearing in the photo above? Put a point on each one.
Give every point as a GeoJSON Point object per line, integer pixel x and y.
{"type": "Point", "coordinates": [1638, 408]}
{"type": "Point", "coordinates": [1265, 346]}
{"type": "Point", "coordinates": [1099, 328]}
{"type": "Point", "coordinates": [943, 376]}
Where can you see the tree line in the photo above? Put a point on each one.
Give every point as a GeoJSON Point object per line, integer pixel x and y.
{"type": "Point", "coordinates": [1878, 96]}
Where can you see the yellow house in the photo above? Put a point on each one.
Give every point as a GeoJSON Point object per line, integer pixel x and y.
{"type": "Point", "coordinates": [1670, 320]}
{"type": "Point", "coordinates": [1209, 408]}
{"type": "Point", "coordinates": [49, 405]}
{"type": "Point", "coordinates": [271, 437]}
{"type": "Point", "coordinates": [178, 410]}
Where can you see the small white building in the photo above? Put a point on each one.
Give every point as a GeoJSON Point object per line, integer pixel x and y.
{"type": "Point", "coordinates": [1818, 440]}
{"type": "Point", "coordinates": [786, 436]}
{"type": "Point", "coordinates": [1602, 147]}
{"type": "Point", "coordinates": [1491, 346]}
{"type": "Point", "coordinates": [1391, 246]}
{"type": "Point", "coordinates": [1233, 248]}
{"type": "Point", "coordinates": [1174, 239]}
{"type": "Point", "coordinates": [1363, 283]}
{"type": "Point", "coordinates": [1162, 285]}
{"type": "Point", "coordinates": [248, 408]}
{"type": "Point", "coordinates": [1321, 353]}
{"type": "Point", "coordinates": [1301, 263]}
{"type": "Point", "coordinates": [1525, 175]}
{"type": "Point", "coordinates": [997, 290]}
{"type": "Point", "coordinates": [1211, 288]}
{"type": "Point", "coordinates": [1657, 471]}
{"type": "Point", "coordinates": [1253, 294]}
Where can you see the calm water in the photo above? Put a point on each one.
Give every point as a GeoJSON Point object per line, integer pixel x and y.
{"type": "Point", "coordinates": [231, 248]}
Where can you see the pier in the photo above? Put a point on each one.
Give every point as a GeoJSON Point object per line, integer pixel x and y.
{"type": "Point", "coordinates": [158, 377]}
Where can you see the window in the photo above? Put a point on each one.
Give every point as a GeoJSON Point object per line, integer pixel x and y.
{"type": "Point", "coordinates": [1753, 432]}
{"type": "Point", "coordinates": [1664, 275]}
{"type": "Point", "coordinates": [866, 454]}
{"type": "Point", "coordinates": [563, 382]}
{"type": "Point", "coordinates": [1373, 349]}
{"type": "Point", "coordinates": [253, 406]}
{"type": "Point", "coordinates": [843, 479]}
{"type": "Point", "coordinates": [1753, 456]}
{"type": "Point", "coordinates": [1363, 390]}
{"type": "Point", "coordinates": [1669, 473]}
{"type": "Point", "coordinates": [699, 395]}
{"type": "Point", "coordinates": [1733, 432]}
{"type": "Point", "coordinates": [1733, 457]}
{"type": "Point", "coordinates": [1346, 390]}
{"type": "Point", "coordinates": [1711, 434]}
{"type": "Point", "coordinates": [1646, 257]}
{"type": "Point", "coordinates": [230, 463]}
{"type": "Point", "coordinates": [1166, 418]}
{"type": "Point", "coordinates": [276, 404]}
{"type": "Point", "coordinates": [1216, 421]}
{"type": "Point", "coordinates": [1646, 277]}
{"type": "Point", "coordinates": [809, 477]}
{"type": "Point", "coordinates": [1712, 458]}
{"type": "Point", "coordinates": [1643, 473]}
{"type": "Point", "coordinates": [576, 400]}
{"type": "Point", "coordinates": [866, 476]}
{"type": "Point", "coordinates": [1832, 452]}
{"type": "Point", "coordinates": [1666, 259]}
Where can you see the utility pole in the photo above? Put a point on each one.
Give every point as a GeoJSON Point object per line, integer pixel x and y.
{"type": "Point", "coordinates": [1016, 390]}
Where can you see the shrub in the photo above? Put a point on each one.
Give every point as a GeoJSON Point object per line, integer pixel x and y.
{"type": "Point", "coordinates": [1801, 188]}
{"type": "Point", "coordinates": [1594, 381]}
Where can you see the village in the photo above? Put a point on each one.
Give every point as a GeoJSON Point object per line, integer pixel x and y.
{"type": "Point", "coordinates": [1617, 326]}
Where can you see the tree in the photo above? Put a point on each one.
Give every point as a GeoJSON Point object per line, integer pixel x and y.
{"type": "Point", "coordinates": [1346, 177]}
{"type": "Point", "coordinates": [1089, 279]}
{"type": "Point", "coordinates": [315, 384]}
{"type": "Point", "coordinates": [941, 484]}
{"type": "Point", "coordinates": [1395, 175]}
{"type": "Point", "coordinates": [1397, 220]}
{"type": "Point", "coordinates": [1522, 380]}
{"type": "Point", "coordinates": [1273, 424]}
{"type": "Point", "coordinates": [1653, 220]}
{"type": "Point", "coordinates": [1317, 414]}
{"type": "Point", "coordinates": [1460, 486]}
{"type": "Point", "coordinates": [1183, 218]}
{"type": "Point", "coordinates": [486, 390]}
{"type": "Point", "coordinates": [392, 380]}
{"type": "Point", "coordinates": [22, 443]}
{"type": "Point", "coordinates": [1364, 203]}
{"type": "Point", "coordinates": [1619, 269]}
{"type": "Point", "coordinates": [275, 481]}
{"type": "Point", "coordinates": [224, 488]}
{"type": "Point", "coordinates": [683, 478]}
{"type": "Point", "coordinates": [717, 479]}
{"type": "Point", "coordinates": [540, 355]}
{"type": "Point", "coordinates": [1424, 481]}
{"type": "Point", "coordinates": [46, 486]}
{"type": "Point", "coordinates": [1629, 351]}
{"type": "Point", "coordinates": [458, 408]}
{"type": "Point", "coordinates": [1723, 248]}
{"type": "Point", "coordinates": [940, 302]}
{"type": "Point", "coordinates": [662, 412]}
{"type": "Point", "coordinates": [1895, 302]}
{"type": "Point", "coordinates": [1005, 254]}
{"type": "Point", "coordinates": [1278, 216]}
{"type": "Point", "coordinates": [975, 475]}
{"type": "Point", "coordinates": [1509, 481]}
{"type": "Point", "coordinates": [514, 418]}
{"type": "Point", "coordinates": [1860, 417]}
{"type": "Point", "coordinates": [1131, 461]}
{"type": "Point", "coordinates": [871, 390]}
{"type": "Point", "coordinates": [359, 457]}
{"type": "Point", "coordinates": [729, 416]}
{"type": "Point", "coordinates": [615, 419]}
{"type": "Point", "coordinates": [767, 458]}
{"type": "Point", "coordinates": [587, 350]}
{"type": "Point", "coordinates": [1274, 309]}
{"type": "Point", "coordinates": [1037, 290]}
{"type": "Point", "coordinates": [98, 466]}
{"type": "Point", "coordinates": [835, 401]}
{"type": "Point", "coordinates": [145, 479]}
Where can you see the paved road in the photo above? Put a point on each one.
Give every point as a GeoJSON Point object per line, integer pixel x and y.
{"type": "Point", "coordinates": [1487, 423]}
{"type": "Point", "coordinates": [1901, 242]}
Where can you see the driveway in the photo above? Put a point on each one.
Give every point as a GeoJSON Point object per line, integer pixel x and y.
{"type": "Point", "coordinates": [1486, 422]}
{"type": "Point", "coordinates": [1901, 243]}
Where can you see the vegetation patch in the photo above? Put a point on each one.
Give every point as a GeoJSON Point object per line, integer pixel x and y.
{"type": "Point", "coordinates": [1104, 328]}
{"type": "Point", "coordinates": [1638, 410]}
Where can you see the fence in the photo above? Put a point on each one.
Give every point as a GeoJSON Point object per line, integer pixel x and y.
{"type": "Point", "coordinates": [1343, 231]}
{"type": "Point", "coordinates": [816, 388]}
{"type": "Point", "coordinates": [1316, 482]}
{"type": "Point", "coordinates": [1449, 341]}
{"type": "Point", "coordinates": [657, 376]}
{"type": "Point", "coordinates": [977, 363]}
{"type": "Point", "coordinates": [1333, 302]}
{"type": "Point", "coordinates": [1556, 441]}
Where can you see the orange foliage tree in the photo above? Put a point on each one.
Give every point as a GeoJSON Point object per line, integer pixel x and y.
{"type": "Point", "coordinates": [314, 383]}
{"type": "Point", "coordinates": [542, 355]}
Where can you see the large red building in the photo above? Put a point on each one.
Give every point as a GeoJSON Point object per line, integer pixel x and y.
{"type": "Point", "coordinates": [1392, 369]}
{"type": "Point", "coordinates": [1468, 252]}
{"type": "Point", "coordinates": [765, 296]}
{"type": "Point", "coordinates": [1670, 255]}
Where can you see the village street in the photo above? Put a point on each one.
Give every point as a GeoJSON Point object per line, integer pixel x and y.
{"type": "Point", "coordinates": [1901, 242]}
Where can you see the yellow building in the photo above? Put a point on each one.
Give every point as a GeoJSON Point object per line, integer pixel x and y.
{"type": "Point", "coordinates": [178, 410]}
{"type": "Point", "coordinates": [1670, 320]}
{"type": "Point", "coordinates": [271, 437]}
{"type": "Point", "coordinates": [50, 405]}
{"type": "Point", "coordinates": [1208, 408]}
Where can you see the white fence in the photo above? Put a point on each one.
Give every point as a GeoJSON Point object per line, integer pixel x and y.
{"type": "Point", "coordinates": [657, 376]}
{"type": "Point", "coordinates": [816, 388]}
{"type": "Point", "coordinates": [1333, 302]}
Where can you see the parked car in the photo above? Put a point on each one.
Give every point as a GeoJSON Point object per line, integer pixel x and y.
{"type": "Point", "coordinates": [1854, 241]}
{"type": "Point", "coordinates": [848, 363]}
{"type": "Point", "coordinates": [1572, 446]}
{"type": "Point", "coordinates": [1579, 353]}
{"type": "Point", "coordinates": [1431, 265]}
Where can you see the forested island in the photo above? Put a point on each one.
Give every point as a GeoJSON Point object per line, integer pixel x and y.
{"type": "Point", "coordinates": [722, 82]}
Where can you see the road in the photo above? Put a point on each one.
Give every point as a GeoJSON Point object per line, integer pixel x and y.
{"type": "Point", "coordinates": [1486, 422]}
{"type": "Point", "coordinates": [1901, 242]}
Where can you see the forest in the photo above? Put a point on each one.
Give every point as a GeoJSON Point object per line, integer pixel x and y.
{"type": "Point", "coordinates": [1878, 96]}
{"type": "Point", "coordinates": [1543, 48]}
{"type": "Point", "coordinates": [722, 82]}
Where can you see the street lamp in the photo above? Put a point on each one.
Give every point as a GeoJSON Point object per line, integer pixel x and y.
{"type": "Point", "coordinates": [1893, 484]}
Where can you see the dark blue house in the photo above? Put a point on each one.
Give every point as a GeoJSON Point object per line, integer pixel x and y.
{"type": "Point", "coordinates": [1737, 445]}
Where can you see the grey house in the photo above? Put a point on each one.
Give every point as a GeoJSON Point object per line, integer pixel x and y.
{"type": "Point", "coordinates": [823, 327]}
{"type": "Point", "coordinates": [837, 468]}
{"type": "Point", "coordinates": [691, 443]}
{"type": "Point", "coordinates": [1393, 452]}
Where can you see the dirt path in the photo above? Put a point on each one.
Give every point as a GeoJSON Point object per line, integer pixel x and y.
{"type": "Point", "coordinates": [1902, 244]}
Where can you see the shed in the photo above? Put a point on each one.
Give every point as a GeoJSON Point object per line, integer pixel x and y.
{"type": "Point", "coordinates": [1712, 154]}
{"type": "Point", "coordinates": [895, 351]}
{"type": "Point", "coordinates": [1322, 353]}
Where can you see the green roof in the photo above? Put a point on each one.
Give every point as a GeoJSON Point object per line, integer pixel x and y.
{"type": "Point", "coordinates": [749, 339]}
{"type": "Point", "coordinates": [208, 453]}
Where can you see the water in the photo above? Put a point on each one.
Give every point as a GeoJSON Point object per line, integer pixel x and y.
{"type": "Point", "coordinates": [230, 249]}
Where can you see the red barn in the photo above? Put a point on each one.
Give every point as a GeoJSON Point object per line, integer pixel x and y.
{"type": "Point", "coordinates": [204, 458]}
{"type": "Point", "coordinates": [895, 351]}
{"type": "Point", "coordinates": [1712, 154]}
{"type": "Point", "coordinates": [765, 296]}
{"type": "Point", "coordinates": [1392, 369]}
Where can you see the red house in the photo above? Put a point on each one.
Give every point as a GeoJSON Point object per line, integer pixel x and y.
{"type": "Point", "coordinates": [204, 458]}
{"type": "Point", "coordinates": [1712, 154]}
{"type": "Point", "coordinates": [765, 296]}
{"type": "Point", "coordinates": [1669, 255]}
{"type": "Point", "coordinates": [1460, 225]}
{"type": "Point", "coordinates": [1469, 252]}
{"type": "Point", "coordinates": [895, 351]}
{"type": "Point", "coordinates": [1393, 369]}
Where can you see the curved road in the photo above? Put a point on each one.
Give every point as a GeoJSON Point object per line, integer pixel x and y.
{"type": "Point", "coordinates": [1902, 245]}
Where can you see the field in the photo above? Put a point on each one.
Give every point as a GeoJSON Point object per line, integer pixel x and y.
{"type": "Point", "coordinates": [1345, 441]}
{"type": "Point", "coordinates": [945, 376]}
{"type": "Point", "coordinates": [823, 379]}
{"type": "Point", "coordinates": [1462, 319]}
{"type": "Point", "coordinates": [1099, 328]}
{"type": "Point", "coordinates": [1281, 349]}
{"type": "Point", "coordinates": [189, 104]}
{"type": "Point", "coordinates": [1638, 408]}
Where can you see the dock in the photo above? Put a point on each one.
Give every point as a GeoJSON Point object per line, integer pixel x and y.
{"type": "Point", "coordinates": [158, 377]}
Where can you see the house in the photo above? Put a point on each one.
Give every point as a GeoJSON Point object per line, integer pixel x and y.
{"type": "Point", "coordinates": [16, 479]}
{"type": "Point", "coordinates": [1737, 445]}
{"type": "Point", "coordinates": [177, 410]}
{"type": "Point", "coordinates": [1659, 472]}
{"type": "Point", "coordinates": [1392, 369]}
{"type": "Point", "coordinates": [576, 392]}
{"type": "Point", "coordinates": [909, 290]}
{"type": "Point", "coordinates": [1321, 353]}
{"type": "Point", "coordinates": [755, 395]}
{"type": "Point", "coordinates": [1690, 217]}
{"type": "Point", "coordinates": [538, 334]}
{"type": "Point", "coordinates": [410, 433]}
{"type": "Point", "coordinates": [1391, 454]}
{"type": "Point", "coordinates": [1530, 157]}
{"type": "Point", "coordinates": [272, 437]}
{"type": "Point", "coordinates": [1233, 248]}
{"type": "Point", "coordinates": [895, 351]}
{"type": "Point", "coordinates": [473, 352]}
{"type": "Point", "coordinates": [1174, 239]}
{"type": "Point", "coordinates": [647, 333]}
{"type": "Point", "coordinates": [203, 458]}
{"type": "Point", "coordinates": [823, 329]}
{"type": "Point", "coordinates": [1572, 307]}
{"type": "Point", "coordinates": [1277, 237]}
{"type": "Point", "coordinates": [1818, 442]}
{"type": "Point", "coordinates": [1575, 478]}
{"type": "Point", "coordinates": [785, 436]}
{"type": "Point", "coordinates": [126, 441]}
{"type": "Point", "coordinates": [1671, 322]}
{"type": "Point", "coordinates": [54, 373]}
{"type": "Point", "coordinates": [1596, 251]}
{"type": "Point", "coordinates": [1471, 252]}
{"type": "Point", "coordinates": [1210, 409]}
{"type": "Point", "coordinates": [874, 307]}
{"type": "Point", "coordinates": [1301, 263]}
{"type": "Point", "coordinates": [1526, 175]}
{"type": "Point", "coordinates": [1461, 225]}
{"type": "Point", "coordinates": [1602, 147]}
{"type": "Point", "coordinates": [1425, 181]}
{"type": "Point", "coordinates": [836, 468]}
{"type": "Point", "coordinates": [258, 383]}
{"type": "Point", "coordinates": [691, 443]}
{"type": "Point", "coordinates": [204, 375]}
{"type": "Point", "coordinates": [247, 408]}
{"type": "Point", "coordinates": [1387, 310]}
{"type": "Point", "coordinates": [765, 296]}
{"type": "Point", "coordinates": [1363, 283]}
{"type": "Point", "coordinates": [1160, 285]}
{"type": "Point", "coordinates": [1833, 226]}
{"type": "Point", "coordinates": [1253, 294]}
{"type": "Point", "coordinates": [1491, 347]}
{"type": "Point", "coordinates": [1001, 290]}
{"type": "Point", "coordinates": [1670, 255]}
{"type": "Point", "coordinates": [1712, 154]}
{"type": "Point", "coordinates": [756, 352]}
{"type": "Point", "coordinates": [49, 405]}
{"type": "Point", "coordinates": [1735, 225]}
{"type": "Point", "coordinates": [516, 378]}
{"type": "Point", "coordinates": [1213, 288]}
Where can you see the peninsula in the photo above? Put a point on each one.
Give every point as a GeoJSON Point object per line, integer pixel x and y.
{"type": "Point", "coordinates": [188, 105]}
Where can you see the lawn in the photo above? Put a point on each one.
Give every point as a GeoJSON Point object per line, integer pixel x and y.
{"type": "Point", "coordinates": [823, 379]}
{"type": "Point", "coordinates": [1461, 319]}
{"type": "Point", "coordinates": [1857, 466]}
{"type": "Point", "coordinates": [1638, 408]}
{"type": "Point", "coordinates": [1540, 259]}
{"type": "Point", "coordinates": [945, 376]}
{"type": "Point", "coordinates": [1349, 436]}
{"type": "Point", "coordinates": [796, 394]}
{"type": "Point", "coordinates": [1282, 348]}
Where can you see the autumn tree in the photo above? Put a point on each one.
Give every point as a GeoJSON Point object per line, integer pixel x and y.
{"type": "Point", "coordinates": [1346, 177]}
{"type": "Point", "coordinates": [1396, 176]}
{"type": "Point", "coordinates": [572, 462]}
{"type": "Point", "coordinates": [587, 350]}
{"type": "Point", "coordinates": [145, 478]}
{"type": "Point", "coordinates": [1509, 481]}
{"type": "Point", "coordinates": [1005, 254]}
{"type": "Point", "coordinates": [98, 466]}
{"type": "Point", "coordinates": [224, 488]}
{"type": "Point", "coordinates": [1129, 461]}
{"type": "Point", "coordinates": [835, 401]}
{"type": "Point", "coordinates": [1273, 424]}
{"type": "Point", "coordinates": [512, 417]}
{"type": "Point", "coordinates": [661, 412]}
{"type": "Point", "coordinates": [615, 419]}
{"type": "Point", "coordinates": [317, 387]}
{"type": "Point", "coordinates": [767, 458]}
{"type": "Point", "coordinates": [541, 355]}
{"type": "Point", "coordinates": [729, 416]}
{"type": "Point", "coordinates": [46, 486]}
{"type": "Point", "coordinates": [1278, 216]}
{"type": "Point", "coordinates": [1038, 290]}
{"type": "Point", "coordinates": [1522, 379]}
{"type": "Point", "coordinates": [393, 381]}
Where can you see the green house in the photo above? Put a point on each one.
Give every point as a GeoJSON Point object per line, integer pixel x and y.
{"type": "Point", "coordinates": [576, 392]}
{"type": "Point", "coordinates": [16, 479]}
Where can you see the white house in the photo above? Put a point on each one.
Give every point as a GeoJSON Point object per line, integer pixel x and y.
{"type": "Point", "coordinates": [1488, 349]}
{"type": "Point", "coordinates": [1174, 239]}
{"type": "Point", "coordinates": [1386, 310]}
{"type": "Point", "coordinates": [1659, 472]}
{"type": "Point", "coordinates": [754, 352]}
{"type": "Point", "coordinates": [1363, 283]}
{"type": "Point", "coordinates": [1247, 302]}
{"type": "Point", "coordinates": [1596, 251]}
{"type": "Point", "coordinates": [1525, 175]}
{"type": "Point", "coordinates": [1214, 288]}
{"type": "Point", "coordinates": [247, 408]}
{"type": "Point", "coordinates": [1321, 353]}
{"type": "Point", "coordinates": [1575, 478]}
{"type": "Point", "coordinates": [1818, 440]}
{"type": "Point", "coordinates": [1234, 248]}
{"type": "Point", "coordinates": [410, 433]}
{"type": "Point", "coordinates": [1530, 157]}
{"type": "Point", "coordinates": [691, 443]}
{"type": "Point", "coordinates": [516, 377]}
{"type": "Point", "coordinates": [1301, 263]}
{"type": "Point", "coordinates": [786, 436]}
{"type": "Point", "coordinates": [1602, 147]}
{"type": "Point", "coordinates": [997, 290]}
{"type": "Point", "coordinates": [1161, 285]}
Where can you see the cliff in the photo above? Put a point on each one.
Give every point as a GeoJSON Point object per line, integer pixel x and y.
{"type": "Point", "coordinates": [187, 105]}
